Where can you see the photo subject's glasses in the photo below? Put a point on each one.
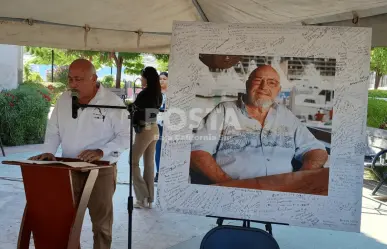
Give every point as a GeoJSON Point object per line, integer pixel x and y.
{"type": "Point", "coordinates": [269, 82]}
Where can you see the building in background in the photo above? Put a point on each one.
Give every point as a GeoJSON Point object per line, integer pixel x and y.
{"type": "Point", "coordinates": [11, 66]}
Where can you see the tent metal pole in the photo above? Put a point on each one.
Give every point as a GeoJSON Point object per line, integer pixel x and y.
{"type": "Point", "coordinates": [200, 10]}
{"type": "Point", "coordinates": [52, 65]}
{"type": "Point", "coordinates": [32, 22]}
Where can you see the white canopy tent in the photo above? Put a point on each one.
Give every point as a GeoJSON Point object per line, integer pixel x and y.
{"type": "Point", "coordinates": [146, 25]}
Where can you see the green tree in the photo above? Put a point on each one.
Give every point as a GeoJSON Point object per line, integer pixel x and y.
{"type": "Point", "coordinates": [29, 76]}
{"type": "Point", "coordinates": [133, 62]}
{"type": "Point", "coordinates": [162, 62]}
{"type": "Point", "coordinates": [135, 65]}
{"type": "Point", "coordinates": [379, 63]}
{"type": "Point", "coordinates": [98, 59]}
{"type": "Point", "coordinates": [44, 56]}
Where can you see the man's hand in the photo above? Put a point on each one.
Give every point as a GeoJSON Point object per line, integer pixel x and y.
{"type": "Point", "coordinates": [43, 157]}
{"type": "Point", "coordinates": [91, 155]}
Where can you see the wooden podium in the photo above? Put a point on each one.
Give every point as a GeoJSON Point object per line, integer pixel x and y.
{"type": "Point", "coordinates": [51, 214]}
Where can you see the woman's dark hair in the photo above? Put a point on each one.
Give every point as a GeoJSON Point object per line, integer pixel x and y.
{"type": "Point", "coordinates": [164, 73]}
{"type": "Point", "coordinates": [152, 80]}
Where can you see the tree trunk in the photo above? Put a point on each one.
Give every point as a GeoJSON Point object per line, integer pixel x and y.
{"type": "Point", "coordinates": [378, 77]}
{"type": "Point", "coordinates": [119, 68]}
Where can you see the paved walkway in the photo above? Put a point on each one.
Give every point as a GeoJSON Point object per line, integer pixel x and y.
{"type": "Point", "coordinates": [153, 229]}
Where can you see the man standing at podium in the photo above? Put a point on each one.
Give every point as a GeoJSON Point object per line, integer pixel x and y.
{"type": "Point", "coordinates": [96, 134]}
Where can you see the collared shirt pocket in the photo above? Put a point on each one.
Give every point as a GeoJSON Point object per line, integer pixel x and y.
{"type": "Point", "coordinates": [99, 120]}
{"type": "Point", "coordinates": [99, 114]}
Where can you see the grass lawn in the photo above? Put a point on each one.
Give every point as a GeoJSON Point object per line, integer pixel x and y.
{"type": "Point", "coordinates": [377, 112]}
{"type": "Point", "coordinates": [377, 93]}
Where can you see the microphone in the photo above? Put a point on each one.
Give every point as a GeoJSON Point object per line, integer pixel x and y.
{"type": "Point", "coordinates": [74, 103]}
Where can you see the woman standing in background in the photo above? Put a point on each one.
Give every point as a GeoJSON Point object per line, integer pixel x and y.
{"type": "Point", "coordinates": [164, 86]}
{"type": "Point", "coordinates": [145, 125]}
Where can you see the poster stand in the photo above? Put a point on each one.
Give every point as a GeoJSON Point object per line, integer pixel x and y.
{"type": "Point", "coordinates": [246, 223]}
{"type": "Point", "coordinates": [240, 234]}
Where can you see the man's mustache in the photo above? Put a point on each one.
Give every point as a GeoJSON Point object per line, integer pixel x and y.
{"type": "Point", "coordinates": [263, 92]}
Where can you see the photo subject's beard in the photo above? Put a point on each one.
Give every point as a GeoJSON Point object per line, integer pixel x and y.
{"type": "Point", "coordinates": [260, 103]}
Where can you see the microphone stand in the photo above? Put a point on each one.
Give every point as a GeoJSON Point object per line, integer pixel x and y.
{"type": "Point", "coordinates": [131, 109]}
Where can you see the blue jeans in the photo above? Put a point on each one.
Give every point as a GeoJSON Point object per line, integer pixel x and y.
{"type": "Point", "coordinates": [158, 148]}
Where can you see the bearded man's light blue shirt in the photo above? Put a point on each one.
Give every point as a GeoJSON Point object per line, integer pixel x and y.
{"type": "Point", "coordinates": [244, 149]}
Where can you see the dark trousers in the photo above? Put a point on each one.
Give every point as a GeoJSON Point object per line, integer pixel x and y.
{"type": "Point", "coordinates": [158, 148]}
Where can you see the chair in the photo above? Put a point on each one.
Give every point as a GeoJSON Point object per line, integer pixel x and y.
{"type": "Point", "coordinates": [382, 177]}
{"type": "Point", "coordinates": [234, 237]}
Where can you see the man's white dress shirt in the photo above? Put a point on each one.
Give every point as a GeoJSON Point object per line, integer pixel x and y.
{"type": "Point", "coordinates": [95, 128]}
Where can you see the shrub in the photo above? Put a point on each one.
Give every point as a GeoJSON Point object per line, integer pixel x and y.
{"type": "Point", "coordinates": [23, 113]}
{"type": "Point", "coordinates": [29, 75]}
{"type": "Point", "coordinates": [377, 112]}
{"type": "Point", "coordinates": [56, 89]}
{"type": "Point", "coordinates": [108, 81]}
{"type": "Point", "coordinates": [34, 77]}
{"type": "Point", "coordinates": [377, 93]}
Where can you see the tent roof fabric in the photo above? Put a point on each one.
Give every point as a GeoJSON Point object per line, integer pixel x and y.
{"type": "Point", "coordinates": [146, 26]}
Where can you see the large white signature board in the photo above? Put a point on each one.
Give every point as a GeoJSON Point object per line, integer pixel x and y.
{"type": "Point", "coordinates": [341, 209]}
